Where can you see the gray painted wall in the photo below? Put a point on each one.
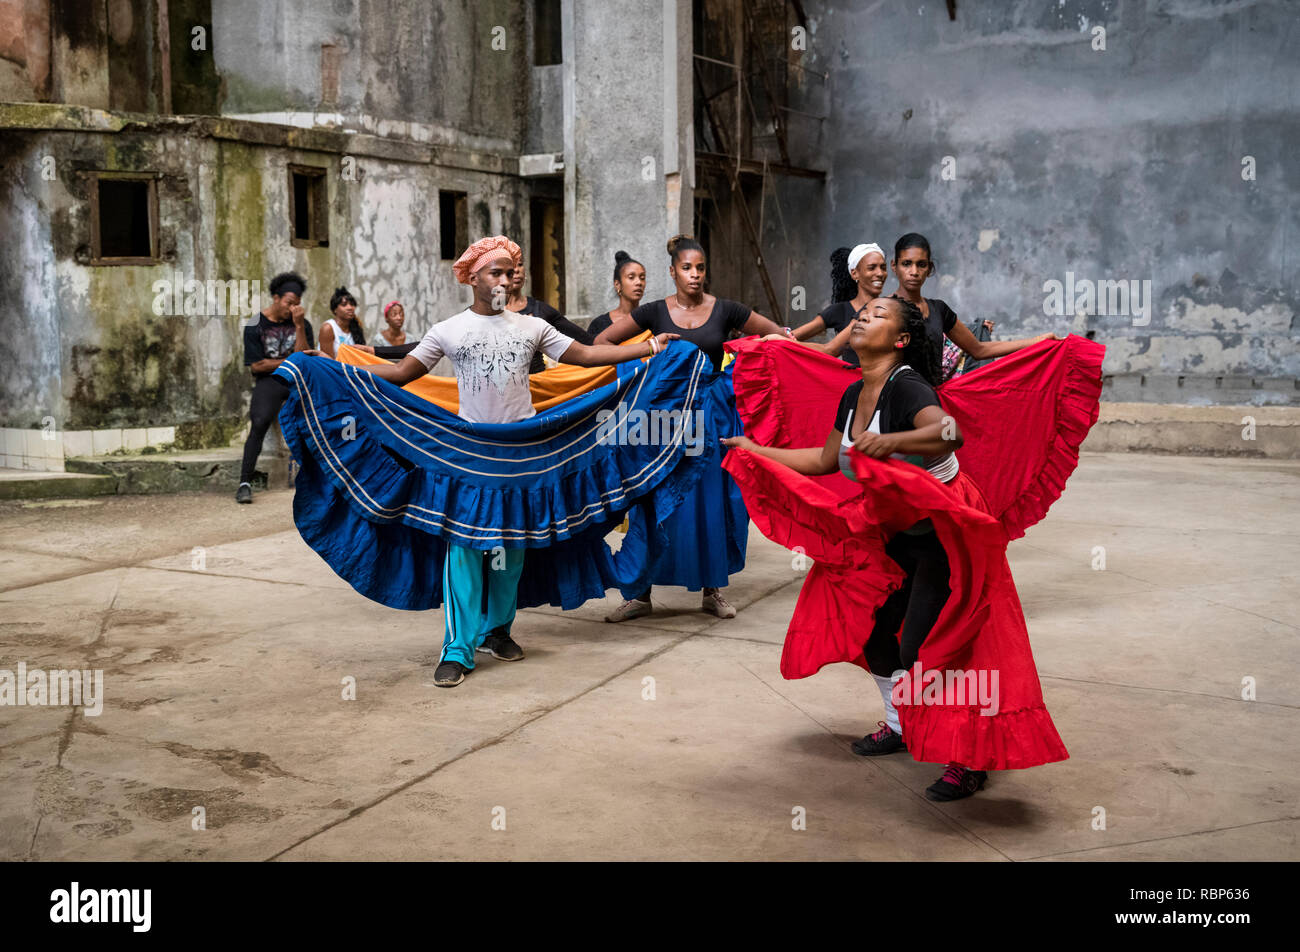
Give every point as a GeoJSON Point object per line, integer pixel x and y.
{"type": "Point", "coordinates": [427, 71]}
{"type": "Point", "coordinates": [1117, 164]}
{"type": "Point", "coordinates": [625, 141]}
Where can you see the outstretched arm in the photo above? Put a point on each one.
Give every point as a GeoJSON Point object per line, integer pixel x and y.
{"type": "Point", "coordinates": [400, 373]}
{"type": "Point", "coordinates": [837, 343]}
{"type": "Point", "coordinates": [809, 461]}
{"type": "Point", "coordinates": [619, 331]}
{"type": "Point", "coordinates": [811, 329]}
{"type": "Point", "coordinates": [985, 349]}
{"type": "Point", "coordinates": [758, 324]}
{"type": "Point", "coordinates": [601, 355]}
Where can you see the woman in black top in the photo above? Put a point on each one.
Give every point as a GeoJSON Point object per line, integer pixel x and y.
{"type": "Point", "coordinates": [857, 277]}
{"type": "Point", "coordinates": [706, 321]}
{"type": "Point", "coordinates": [629, 285]}
{"type": "Point", "coordinates": [520, 304]}
{"type": "Point", "coordinates": [912, 264]}
{"type": "Point", "coordinates": [894, 412]}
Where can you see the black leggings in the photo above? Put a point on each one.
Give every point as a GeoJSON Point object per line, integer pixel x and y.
{"type": "Point", "coordinates": [269, 394]}
{"type": "Point", "coordinates": [916, 606]}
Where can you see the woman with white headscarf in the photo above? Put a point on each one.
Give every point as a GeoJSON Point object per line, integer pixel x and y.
{"type": "Point", "coordinates": [857, 277]}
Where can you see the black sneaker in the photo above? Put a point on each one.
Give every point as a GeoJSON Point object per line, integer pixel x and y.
{"type": "Point", "coordinates": [449, 674]}
{"type": "Point", "coordinates": [957, 783]}
{"type": "Point", "coordinates": [501, 646]}
{"type": "Point", "coordinates": [884, 741]}
{"type": "Point", "coordinates": [244, 493]}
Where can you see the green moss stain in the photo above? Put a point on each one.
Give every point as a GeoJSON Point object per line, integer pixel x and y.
{"type": "Point", "coordinates": [202, 434]}
{"type": "Point", "coordinates": [137, 368]}
{"type": "Point", "coordinates": [242, 95]}
{"type": "Point", "coordinates": [128, 153]}
{"type": "Point", "coordinates": [239, 229]}
{"type": "Point", "coordinates": [239, 219]}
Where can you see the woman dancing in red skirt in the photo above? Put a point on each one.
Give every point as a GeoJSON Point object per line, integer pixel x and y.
{"type": "Point", "coordinates": [910, 577]}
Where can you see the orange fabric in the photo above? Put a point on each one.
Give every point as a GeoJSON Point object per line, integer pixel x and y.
{"type": "Point", "coordinates": [548, 389]}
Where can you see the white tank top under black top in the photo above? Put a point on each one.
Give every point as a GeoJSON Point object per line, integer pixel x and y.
{"type": "Point", "coordinates": [904, 395]}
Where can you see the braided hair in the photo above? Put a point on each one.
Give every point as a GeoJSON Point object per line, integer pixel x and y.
{"type": "Point", "coordinates": [843, 287]}
{"type": "Point", "coordinates": [920, 353]}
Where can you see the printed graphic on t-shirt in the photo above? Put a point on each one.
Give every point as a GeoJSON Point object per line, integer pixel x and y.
{"type": "Point", "coordinates": [499, 358]}
{"type": "Point", "coordinates": [277, 342]}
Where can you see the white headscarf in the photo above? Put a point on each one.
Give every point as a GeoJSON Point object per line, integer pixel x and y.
{"type": "Point", "coordinates": [861, 251]}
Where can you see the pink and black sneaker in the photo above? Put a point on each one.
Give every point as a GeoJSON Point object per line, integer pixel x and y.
{"type": "Point", "coordinates": [884, 741]}
{"type": "Point", "coordinates": [957, 783]}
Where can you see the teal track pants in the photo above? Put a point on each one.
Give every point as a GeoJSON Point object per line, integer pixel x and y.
{"type": "Point", "coordinates": [466, 576]}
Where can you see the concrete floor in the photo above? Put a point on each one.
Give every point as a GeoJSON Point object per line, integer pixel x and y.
{"type": "Point", "coordinates": [223, 687]}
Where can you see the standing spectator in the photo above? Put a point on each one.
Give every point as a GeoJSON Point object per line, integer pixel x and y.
{"type": "Point", "coordinates": [281, 329]}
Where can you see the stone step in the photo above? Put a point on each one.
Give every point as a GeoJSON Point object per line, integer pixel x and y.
{"type": "Point", "coordinates": [25, 484]}
{"type": "Point", "coordinates": [1260, 432]}
{"type": "Point", "coordinates": [211, 470]}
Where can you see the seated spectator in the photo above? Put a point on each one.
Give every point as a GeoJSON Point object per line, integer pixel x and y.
{"type": "Point", "coordinates": [343, 327]}
{"type": "Point", "coordinates": [395, 318]}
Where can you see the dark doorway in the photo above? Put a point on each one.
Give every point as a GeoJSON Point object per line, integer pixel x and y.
{"type": "Point", "coordinates": [546, 251]}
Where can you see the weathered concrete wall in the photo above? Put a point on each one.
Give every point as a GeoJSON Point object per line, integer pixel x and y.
{"type": "Point", "coordinates": [625, 142]}
{"type": "Point", "coordinates": [29, 295]}
{"type": "Point", "coordinates": [24, 50]}
{"type": "Point", "coordinates": [1122, 163]}
{"type": "Point", "coordinates": [86, 344]}
{"type": "Point", "coordinates": [426, 71]}
{"type": "Point", "coordinates": [545, 119]}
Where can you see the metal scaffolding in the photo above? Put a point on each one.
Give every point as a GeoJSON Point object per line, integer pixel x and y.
{"type": "Point", "coordinates": [743, 117]}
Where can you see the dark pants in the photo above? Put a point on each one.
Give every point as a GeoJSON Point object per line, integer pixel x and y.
{"type": "Point", "coordinates": [915, 606]}
{"type": "Point", "coordinates": [269, 395]}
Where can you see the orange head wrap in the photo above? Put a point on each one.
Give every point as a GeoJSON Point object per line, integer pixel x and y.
{"type": "Point", "coordinates": [483, 251]}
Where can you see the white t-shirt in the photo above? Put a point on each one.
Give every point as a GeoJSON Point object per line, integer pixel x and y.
{"type": "Point", "coordinates": [490, 354]}
{"type": "Point", "coordinates": [340, 335]}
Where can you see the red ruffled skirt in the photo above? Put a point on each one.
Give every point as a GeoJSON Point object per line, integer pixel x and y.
{"type": "Point", "coordinates": [1046, 399]}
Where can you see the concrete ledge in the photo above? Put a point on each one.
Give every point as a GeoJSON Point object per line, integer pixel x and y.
{"type": "Point", "coordinates": [31, 485]}
{"type": "Point", "coordinates": [1197, 431]}
{"type": "Point", "coordinates": [60, 117]}
{"type": "Point", "coordinates": [196, 471]}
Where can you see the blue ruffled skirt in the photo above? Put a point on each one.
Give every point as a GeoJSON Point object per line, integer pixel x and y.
{"type": "Point", "coordinates": [702, 541]}
{"type": "Point", "coordinates": [387, 480]}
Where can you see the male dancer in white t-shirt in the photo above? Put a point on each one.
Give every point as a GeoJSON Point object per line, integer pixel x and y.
{"type": "Point", "coordinates": [490, 349]}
